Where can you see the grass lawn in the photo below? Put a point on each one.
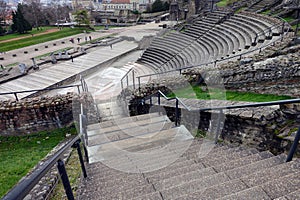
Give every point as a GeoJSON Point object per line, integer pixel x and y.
{"type": "Point", "coordinates": [213, 93]}
{"type": "Point", "coordinates": [34, 31]}
{"type": "Point", "coordinates": [224, 3]}
{"type": "Point", "coordinates": [65, 32]}
{"type": "Point", "coordinates": [18, 155]}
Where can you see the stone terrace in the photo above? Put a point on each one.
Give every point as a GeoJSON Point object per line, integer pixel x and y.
{"type": "Point", "coordinates": [213, 37]}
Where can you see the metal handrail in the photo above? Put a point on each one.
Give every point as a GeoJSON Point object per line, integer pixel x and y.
{"type": "Point", "coordinates": [39, 90]}
{"type": "Point", "coordinates": [26, 184]}
{"type": "Point", "coordinates": [127, 79]}
{"type": "Point", "coordinates": [221, 108]}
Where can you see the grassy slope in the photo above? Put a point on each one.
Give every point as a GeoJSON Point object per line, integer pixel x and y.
{"type": "Point", "coordinates": [17, 35]}
{"type": "Point", "coordinates": [7, 46]}
{"type": "Point", "coordinates": [18, 155]}
{"type": "Point", "coordinates": [197, 93]}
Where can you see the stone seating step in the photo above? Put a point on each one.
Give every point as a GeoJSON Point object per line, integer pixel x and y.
{"type": "Point", "coordinates": [290, 196]}
{"type": "Point", "coordinates": [253, 167]}
{"type": "Point", "coordinates": [255, 179]}
{"type": "Point", "coordinates": [124, 120]}
{"type": "Point", "coordinates": [150, 196]}
{"type": "Point", "coordinates": [125, 126]}
{"type": "Point", "coordinates": [193, 186]}
{"type": "Point", "coordinates": [121, 134]}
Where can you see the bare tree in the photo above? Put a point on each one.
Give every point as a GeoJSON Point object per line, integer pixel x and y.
{"type": "Point", "coordinates": [33, 12]}
{"type": "Point", "coordinates": [4, 12]}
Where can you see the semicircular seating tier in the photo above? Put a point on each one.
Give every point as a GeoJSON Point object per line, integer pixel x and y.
{"type": "Point", "coordinates": [216, 36]}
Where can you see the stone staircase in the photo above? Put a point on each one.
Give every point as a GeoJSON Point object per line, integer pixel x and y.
{"type": "Point", "coordinates": [147, 157]}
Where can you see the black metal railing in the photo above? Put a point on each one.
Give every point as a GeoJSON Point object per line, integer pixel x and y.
{"type": "Point", "coordinates": [221, 109]}
{"type": "Point", "coordinates": [160, 94]}
{"type": "Point", "coordinates": [25, 185]}
{"type": "Point", "coordinates": [126, 77]}
{"type": "Point", "coordinates": [15, 93]}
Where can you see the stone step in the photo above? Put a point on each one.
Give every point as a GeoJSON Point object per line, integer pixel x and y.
{"type": "Point", "coordinates": [122, 157]}
{"type": "Point", "coordinates": [183, 178]}
{"type": "Point", "coordinates": [115, 125]}
{"type": "Point", "coordinates": [227, 156]}
{"type": "Point", "coordinates": [151, 196]}
{"type": "Point", "coordinates": [175, 134]}
{"type": "Point", "coordinates": [292, 196]}
{"type": "Point", "coordinates": [127, 120]}
{"type": "Point", "coordinates": [170, 137]}
{"type": "Point", "coordinates": [256, 166]}
{"type": "Point", "coordinates": [271, 173]}
{"type": "Point", "coordinates": [119, 193]}
{"type": "Point", "coordinates": [143, 124]}
{"type": "Point", "coordinates": [239, 185]}
{"type": "Point", "coordinates": [107, 186]}
{"type": "Point", "coordinates": [242, 161]}
{"type": "Point", "coordinates": [193, 186]}
{"type": "Point", "coordinates": [139, 131]}
{"type": "Point", "coordinates": [255, 193]}
{"type": "Point", "coordinates": [173, 170]}
{"type": "Point", "coordinates": [216, 191]}
{"type": "Point", "coordinates": [282, 186]}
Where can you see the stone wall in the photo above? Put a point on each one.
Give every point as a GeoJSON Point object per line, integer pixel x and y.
{"type": "Point", "coordinates": [270, 72]}
{"type": "Point", "coordinates": [266, 128]}
{"type": "Point", "coordinates": [31, 115]}
{"type": "Point", "coordinates": [41, 113]}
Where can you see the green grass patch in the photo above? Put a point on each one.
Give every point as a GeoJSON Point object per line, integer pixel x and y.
{"type": "Point", "coordinates": [65, 32]}
{"type": "Point", "coordinates": [19, 154]}
{"type": "Point", "coordinates": [224, 3]}
{"type": "Point", "coordinates": [34, 31]}
{"type": "Point", "coordinates": [266, 12]}
{"type": "Point", "coordinates": [196, 92]}
{"type": "Point", "coordinates": [289, 19]}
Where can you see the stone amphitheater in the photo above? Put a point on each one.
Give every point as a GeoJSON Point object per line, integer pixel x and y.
{"type": "Point", "coordinates": [148, 156]}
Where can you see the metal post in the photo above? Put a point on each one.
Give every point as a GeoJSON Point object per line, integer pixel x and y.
{"type": "Point", "coordinates": [158, 98]}
{"type": "Point", "coordinates": [218, 127]}
{"type": "Point", "coordinates": [78, 89]}
{"type": "Point", "coordinates": [122, 84]}
{"type": "Point", "coordinates": [127, 81]}
{"type": "Point", "coordinates": [180, 71]}
{"type": "Point", "coordinates": [86, 154]}
{"type": "Point", "coordinates": [133, 79]}
{"type": "Point", "coordinates": [294, 146]}
{"type": "Point", "coordinates": [65, 180]}
{"type": "Point", "coordinates": [176, 113]}
{"type": "Point", "coordinates": [150, 100]}
{"type": "Point", "coordinates": [139, 82]}
{"type": "Point", "coordinates": [16, 96]}
{"type": "Point", "coordinates": [77, 146]}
